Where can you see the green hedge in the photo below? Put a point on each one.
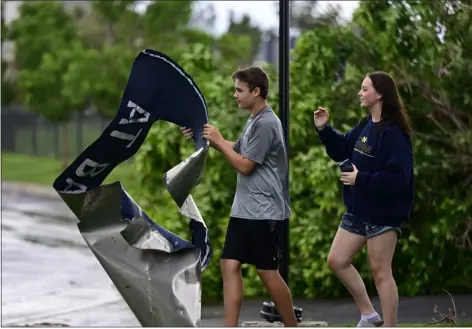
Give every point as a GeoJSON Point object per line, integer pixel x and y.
{"type": "Point", "coordinates": [428, 258]}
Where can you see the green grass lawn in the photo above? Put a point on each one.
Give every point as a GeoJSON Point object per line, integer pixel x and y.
{"type": "Point", "coordinates": [44, 170]}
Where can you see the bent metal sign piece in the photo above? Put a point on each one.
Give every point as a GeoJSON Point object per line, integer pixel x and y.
{"type": "Point", "coordinates": [157, 272]}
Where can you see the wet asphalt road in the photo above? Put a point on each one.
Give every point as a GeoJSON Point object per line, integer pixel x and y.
{"type": "Point", "coordinates": [49, 275]}
{"type": "Point", "coordinates": [48, 272]}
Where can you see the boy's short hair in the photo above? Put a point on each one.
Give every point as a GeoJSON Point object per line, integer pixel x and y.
{"type": "Point", "coordinates": [255, 77]}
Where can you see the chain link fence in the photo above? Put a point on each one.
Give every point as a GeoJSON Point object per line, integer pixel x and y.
{"type": "Point", "coordinates": [26, 133]}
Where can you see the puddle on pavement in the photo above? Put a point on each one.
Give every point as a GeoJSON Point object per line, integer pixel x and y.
{"type": "Point", "coordinates": [53, 242]}
{"type": "Point", "coordinates": [52, 218]}
{"type": "Point", "coordinates": [43, 229]}
{"type": "Point", "coordinates": [7, 228]}
{"type": "Point", "coordinates": [32, 206]}
{"type": "Point", "coordinates": [45, 324]}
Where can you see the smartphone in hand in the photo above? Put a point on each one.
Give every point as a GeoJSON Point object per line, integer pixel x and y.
{"type": "Point", "coordinates": [346, 166]}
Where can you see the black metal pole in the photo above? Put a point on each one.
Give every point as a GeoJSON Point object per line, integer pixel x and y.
{"type": "Point", "coordinates": [284, 113]}
{"type": "Point", "coordinates": [269, 311]}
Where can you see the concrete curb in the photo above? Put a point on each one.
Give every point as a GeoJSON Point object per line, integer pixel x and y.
{"type": "Point", "coordinates": [266, 324]}
{"type": "Point", "coordinates": [44, 191]}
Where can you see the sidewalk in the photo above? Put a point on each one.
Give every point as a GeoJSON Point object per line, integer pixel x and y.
{"type": "Point", "coordinates": [35, 190]}
{"type": "Point", "coordinates": [343, 311]}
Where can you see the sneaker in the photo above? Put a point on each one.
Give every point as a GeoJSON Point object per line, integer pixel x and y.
{"type": "Point", "coordinates": [376, 321]}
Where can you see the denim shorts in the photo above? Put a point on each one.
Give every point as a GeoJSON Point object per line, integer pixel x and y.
{"type": "Point", "coordinates": [357, 225]}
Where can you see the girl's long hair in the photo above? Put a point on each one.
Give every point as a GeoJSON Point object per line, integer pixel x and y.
{"type": "Point", "coordinates": [393, 111]}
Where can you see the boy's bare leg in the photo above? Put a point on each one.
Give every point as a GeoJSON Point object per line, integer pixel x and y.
{"type": "Point", "coordinates": [280, 294]}
{"type": "Point", "coordinates": [232, 291]}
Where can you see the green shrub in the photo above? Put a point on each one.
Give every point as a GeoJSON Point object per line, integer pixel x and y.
{"type": "Point", "coordinates": [428, 258]}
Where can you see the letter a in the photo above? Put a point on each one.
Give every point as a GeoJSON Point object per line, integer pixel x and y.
{"type": "Point", "coordinates": [135, 108]}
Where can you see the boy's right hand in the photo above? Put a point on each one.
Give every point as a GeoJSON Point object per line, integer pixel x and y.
{"type": "Point", "coordinates": [187, 132]}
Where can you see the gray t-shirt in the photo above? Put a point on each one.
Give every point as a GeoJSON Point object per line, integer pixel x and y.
{"type": "Point", "coordinates": [264, 193]}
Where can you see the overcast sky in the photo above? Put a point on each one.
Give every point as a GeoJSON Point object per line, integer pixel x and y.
{"type": "Point", "coordinates": [264, 13]}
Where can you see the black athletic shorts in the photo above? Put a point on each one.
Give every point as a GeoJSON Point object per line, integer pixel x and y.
{"type": "Point", "coordinates": [252, 241]}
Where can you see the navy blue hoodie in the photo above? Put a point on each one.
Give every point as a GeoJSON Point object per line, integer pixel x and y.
{"type": "Point", "coordinates": [383, 193]}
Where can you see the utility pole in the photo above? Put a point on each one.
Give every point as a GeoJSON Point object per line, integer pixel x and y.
{"type": "Point", "coordinates": [284, 114]}
{"type": "Point", "coordinates": [269, 311]}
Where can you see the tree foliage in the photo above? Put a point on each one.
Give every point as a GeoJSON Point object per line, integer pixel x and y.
{"type": "Point", "coordinates": [426, 55]}
{"type": "Point", "coordinates": [328, 65]}
{"type": "Point", "coordinates": [111, 22]}
{"type": "Point", "coordinates": [308, 15]}
{"type": "Point", "coordinates": [414, 54]}
{"type": "Point", "coordinates": [42, 27]}
{"type": "Point", "coordinates": [46, 42]}
{"type": "Point", "coordinates": [245, 28]}
{"type": "Point", "coordinates": [68, 62]}
{"type": "Point", "coordinates": [9, 88]}
{"type": "Point", "coordinates": [106, 74]}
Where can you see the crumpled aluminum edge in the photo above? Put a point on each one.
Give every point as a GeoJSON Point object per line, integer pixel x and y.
{"type": "Point", "coordinates": [179, 181]}
{"type": "Point", "coordinates": [157, 272]}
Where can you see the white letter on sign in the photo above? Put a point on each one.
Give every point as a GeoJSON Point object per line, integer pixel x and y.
{"type": "Point", "coordinates": [96, 168]}
{"type": "Point", "coordinates": [132, 119]}
{"type": "Point", "coordinates": [69, 189]}
{"type": "Point", "coordinates": [125, 136]}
